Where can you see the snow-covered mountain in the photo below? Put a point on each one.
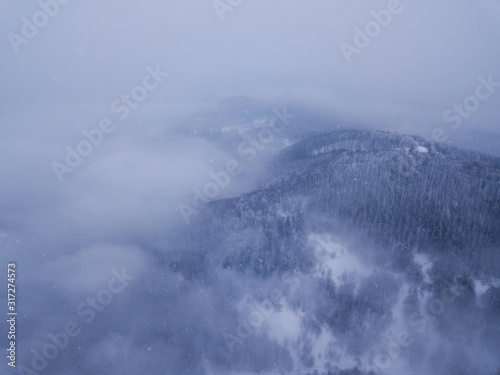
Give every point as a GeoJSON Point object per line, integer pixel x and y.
{"type": "Point", "coordinates": [363, 252]}
{"type": "Point", "coordinates": [242, 118]}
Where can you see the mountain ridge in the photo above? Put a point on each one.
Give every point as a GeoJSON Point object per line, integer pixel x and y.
{"type": "Point", "coordinates": [405, 191]}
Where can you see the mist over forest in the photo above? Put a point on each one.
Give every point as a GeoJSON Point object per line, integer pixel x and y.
{"type": "Point", "coordinates": [235, 187]}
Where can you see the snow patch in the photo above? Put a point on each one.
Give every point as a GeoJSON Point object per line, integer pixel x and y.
{"type": "Point", "coordinates": [284, 324]}
{"type": "Point", "coordinates": [425, 265]}
{"type": "Point", "coordinates": [350, 145]}
{"type": "Point", "coordinates": [482, 286]}
{"type": "Point", "coordinates": [336, 257]}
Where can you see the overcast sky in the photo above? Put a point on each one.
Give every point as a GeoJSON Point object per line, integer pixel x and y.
{"type": "Point", "coordinates": [428, 57]}
{"type": "Point", "coordinates": [64, 78]}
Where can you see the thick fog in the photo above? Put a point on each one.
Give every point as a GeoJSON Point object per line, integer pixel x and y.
{"type": "Point", "coordinates": [125, 125]}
